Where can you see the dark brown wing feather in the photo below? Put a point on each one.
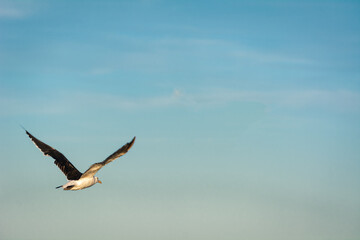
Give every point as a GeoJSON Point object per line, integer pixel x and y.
{"type": "Point", "coordinates": [97, 166]}
{"type": "Point", "coordinates": [61, 161]}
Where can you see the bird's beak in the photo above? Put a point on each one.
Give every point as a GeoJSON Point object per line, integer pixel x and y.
{"type": "Point", "coordinates": [99, 181]}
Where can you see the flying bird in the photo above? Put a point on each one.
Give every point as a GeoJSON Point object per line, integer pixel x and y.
{"type": "Point", "coordinates": [76, 179]}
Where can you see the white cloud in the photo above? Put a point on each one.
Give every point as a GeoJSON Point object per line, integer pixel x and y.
{"type": "Point", "coordinates": [118, 102]}
{"type": "Point", "coordinates": [16, 9]}
{"type": "Point", "coordinates": [232, 49]}
{"type": "Point", "coordinates": [343, 100]}
{"type": "Point", "coordinates": [177, 53]}
{"type": "Point", "coordinates": [333, 101]}
{"type": "Point", "coordinates": [339, 100]}
{"type": "Point", "coordinates": [237, 50]}
{"type": "Point", "coordinates": [6, 12]}
{"type": "Point", "coordinates": [271, 57]}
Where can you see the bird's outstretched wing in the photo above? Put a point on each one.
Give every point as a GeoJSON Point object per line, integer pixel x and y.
{"type": "Point", "coordinates": [97, 166]}
{"type": "Point", "coordinates": [61, 161]}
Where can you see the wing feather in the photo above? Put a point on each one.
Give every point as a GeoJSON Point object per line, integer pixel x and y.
{"type": "Point", "coordinates": [97, 166]}
{"type": "Point", "coordinates": [61, 161]}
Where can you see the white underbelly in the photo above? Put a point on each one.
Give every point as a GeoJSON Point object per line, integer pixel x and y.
{"type": "Point", "coordinates": [81, 183]}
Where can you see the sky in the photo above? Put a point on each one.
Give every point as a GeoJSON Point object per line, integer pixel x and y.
{"type": "Point", "coordinates": [246, 116]}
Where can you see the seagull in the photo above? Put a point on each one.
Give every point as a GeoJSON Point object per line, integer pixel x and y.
{"type": "Point", "coordinates": [76, 179]}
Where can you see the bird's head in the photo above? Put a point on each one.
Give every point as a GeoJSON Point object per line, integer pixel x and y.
{"type": "Point", "coordinates": [97, 180]}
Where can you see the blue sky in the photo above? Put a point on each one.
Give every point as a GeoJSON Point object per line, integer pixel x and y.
{"type": "Point", "coordinates": [246, 115]}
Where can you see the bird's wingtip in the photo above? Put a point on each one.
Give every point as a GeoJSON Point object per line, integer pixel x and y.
{"type": "Point", "coordinates": [23, 127]}
{"type": "Point", "coordinates": [132, 142]}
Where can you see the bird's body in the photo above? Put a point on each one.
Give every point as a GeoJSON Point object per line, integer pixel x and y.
{"type": "Point", "coordinates": [78, 180]}
{"type": "Point", "coordinates": [79, 184]}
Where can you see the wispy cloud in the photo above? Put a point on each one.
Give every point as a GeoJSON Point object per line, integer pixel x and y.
{"type": "Point", "coordinates": [6, 12]}
{"type": "Point", "coordinates": [264, 57]}
{"type": "Point", "coordinates": [339, 100]}
{"type": "Point", "coordinates": [15, 9]}
{"type": "Point", "coordinates": [166, 53]}
{"type": "Point", "coordinates": [332, 101]}
{"type": "Point", "coordinates": [234, 49]}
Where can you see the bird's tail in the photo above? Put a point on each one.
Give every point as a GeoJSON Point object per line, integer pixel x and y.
{"type": "Point", "coordinates": [59, 187]}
